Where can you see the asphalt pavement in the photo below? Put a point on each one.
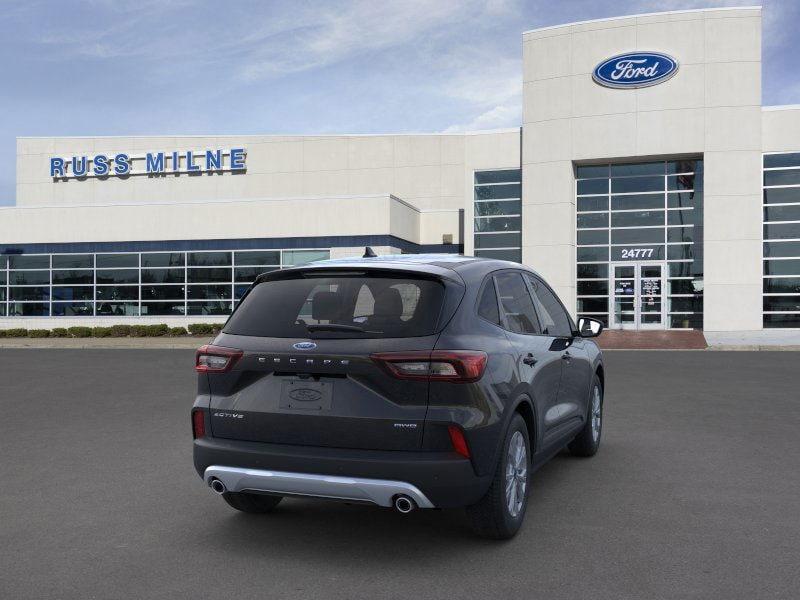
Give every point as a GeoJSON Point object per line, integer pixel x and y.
{"type": "Point", "coordinates": [695, 493]}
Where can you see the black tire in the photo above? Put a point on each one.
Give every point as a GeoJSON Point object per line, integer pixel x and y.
{"type": "Point", "coordinates": [491, 517]}
{"type": "Point", "coordinates": [587, 442]}
{"type": "Point", "coordinates": [251, 503]}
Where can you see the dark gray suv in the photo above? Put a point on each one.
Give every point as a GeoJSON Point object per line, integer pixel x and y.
{"type": "Point", "coordinates": [414, 381]}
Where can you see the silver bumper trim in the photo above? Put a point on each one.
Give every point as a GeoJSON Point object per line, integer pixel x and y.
{"type": "Point", "coordinates": [377, 491]}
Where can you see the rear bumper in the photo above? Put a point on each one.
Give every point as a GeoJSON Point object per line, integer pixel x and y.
{"type": "Point", "coordinates": [442, 479]}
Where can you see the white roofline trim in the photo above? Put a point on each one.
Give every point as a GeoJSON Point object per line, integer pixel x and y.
{"type": "Point", "coordinates": [782, 107]}
{"type": "Point", "coordinates": [652, 14]}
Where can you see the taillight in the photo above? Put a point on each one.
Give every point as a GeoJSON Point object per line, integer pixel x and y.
{"type": "Point", "coordinates": [457, 366]}
{"type": "Point", "coordinates": [458, 440]}
{"type": "Point", "coordinates": [216, 359]}
{"type": "Point", "coordinates": [198, 424]}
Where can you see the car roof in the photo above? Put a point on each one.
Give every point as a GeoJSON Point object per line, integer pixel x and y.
{"type": "Point", "coordinates": [468, 268]}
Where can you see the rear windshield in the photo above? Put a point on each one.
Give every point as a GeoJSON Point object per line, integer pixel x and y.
{"type": "Point", "coordinates": [341, 306]}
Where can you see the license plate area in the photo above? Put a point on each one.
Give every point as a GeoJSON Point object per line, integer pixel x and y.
{"type": "Point", "coordinates": [301, 394]}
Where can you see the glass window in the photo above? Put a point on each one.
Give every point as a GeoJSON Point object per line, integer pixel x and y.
{"type": "Point", "coordinates": [592, 254]}
{"type": "Point", "coordinates": [495, 192]}
{"type": "Point", "coordinates": [497, 240]}
{"type": "Point", "coordinates": [29, 261]}
{"type": "Point", "coordinates": [62, 277]}
{"type": "Point", "coordinates": [592, 186]}
{"type": "Point", "coordinates": [650, 168]}
{"type": "Point", "coordinates": [512, 254]}
{"type": "Point", "coordinates": [782, 303]}
{"type": "Point", "coordinates": [790, 159]}
{"type": "Point", "coordinates": [593, 237]}
{"type": "Point", "coordinates": [162, 292]}
{"type": "Point", "coordinates": [209, 275]}
{"type": "Point", "coordinates": [301, 257]}
{"type": "Point", "coordinates": [587, 171]}
{"type": "Point", "coordinates": [679, 252]}
{"type": "Point", "coordinates": [208, 308]}
{"type": "Point", "coordinates": [117, 275]}
{"type": "Point", "coordinates": [637, 236]}
{"type": "Point", "coordinates": [249, 274]}
{"type": "Point", "coordinates": [782, 195]}
{"type": "Point", "coordinates": [114, 261]}
{"type": "Point", "coordinates": [681, 269]}
{"type": "Point", "coordinates": [163, 259]}
{"type": "Point", "coordinates": [782, 285]}
{"type": "Point", "coordinates": [555, 321]}
{"type": "Point", "coordinates": [258, 257]}
{"type": "Point", "coordinates": [29, 277]}
{"type": "Point", "coordinates": [29, 293]}
{"type": "Point", "coordinates": [516, 306]}
{"type": "Point", "coordinates": [782, 231]}
{"type": "Point", "coordinates": [487, 304]}
{"type": "Point", "coordinates": [73, 309]}
{"type": "Point", "coordinates": [500, 176]}
{"type": "Point", "coordinates": [786, 320]}
{"type": "Point", "coordinates": [28, 309]}
{"type": "Point", "coordinates": [782, 267]}
{"type": "Point", "coordinates": [73, 292]}
{"type": "Point", "coordinates": [209, 292]}
{"type": "Point", "coordinates": [117, 309]}
{"type": "Point", "coordinates": [637, 219]}
{"type": "Point", "coordinates": [684, 166]}
{"type": "Point", "coordinates": [2, 278]}
{"type": "Point", "coordinates": [637, 202]}
{"type": "Point", "coordinates": [593, 203]}
{"type": "Point", "coordinates": [694, 304]}
{"type": "Point", "coordinates": [680, 234]}
{"type": "Point", "coordinates": [73, 261]}
{"type": "Point", "coordinates": [684, 217]}
{"type": "Point", "coordinates": [788, 177]}
{"type": "Point", "coordinates": [209, 259]}
{"type": "Point", "coordinates": [682, 182]}
{"type": "Point", "coordinates": [592, 288]}
{"type": "Point", "coordinates": [685, 286]}
{"type": "Point", "coordinates": [593, 304]}
{"type": "Point", "coordinates": [637, 184]}
{"type": "Point", "coordinates": [782, 249]}
{"type": "Point", "coordinates": [499, 207]}
{"type": "Point", "coordinates": [163, 276]}
{"type": "Point", "coordinates": [365, 307]}
{"type": "Point", "coordinates": [162, 309]}
{"type": "Point", "coordinates": [239, 290]}
{"type": "Point", "coordinates": [117, 292]}
{"type": "Point", "coordinates": [593, 220]}
{"type": "Point", "coordinates": [684, 199]}
{"type": "Point", "coordinates": [498, 224]}
{"type": "Point", "coordinates": [592, 271]}
{"type": "Point", "coordinates": [782, 213]}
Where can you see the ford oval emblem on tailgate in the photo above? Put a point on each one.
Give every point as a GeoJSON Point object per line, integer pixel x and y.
{"type": "Point", "coordinates": [304, 346]}
{"type": "Point", "coordinates": [305, 395]}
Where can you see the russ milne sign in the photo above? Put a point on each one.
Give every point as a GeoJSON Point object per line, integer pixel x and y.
{"type": "Point", "coordinates": [635, 70]}
{"type": "Point", "coordinates": [152, 163]}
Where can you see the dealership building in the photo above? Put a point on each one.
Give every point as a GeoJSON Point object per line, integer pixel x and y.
{"type": "Point", "coordinates": [646, 183]}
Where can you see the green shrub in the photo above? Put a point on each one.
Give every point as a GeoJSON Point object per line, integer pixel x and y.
{"type": "Point", "coordinates": [16, 332]}
{"type": "Point", "coordinates": [120, 330]}
{"type": "Point", "coordinates": [217, 327]}
{"type": "Point", "coordinates": [59, 332]}
{"type": "Point", "coordinates": [2, 333]}
{"type": "Point", "coordinates": [38, 333]}
{"type": "Point", "coordinates": [201, 328]}
{"type": "Point", "coordinates": [80, 332]}
{"type": "Point", "coordinates": [177, 331]}
{"type": "Point", "coordinates": [138, 330]}
{"type": "Point", "coordinates": [101, 332]}
{"type": "Point", "coordinates": [157, 330]}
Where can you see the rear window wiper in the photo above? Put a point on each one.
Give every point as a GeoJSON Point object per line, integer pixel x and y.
{"type": "Point", "coordinates": [337, 327]}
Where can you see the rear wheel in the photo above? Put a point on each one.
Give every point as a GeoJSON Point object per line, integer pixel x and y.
{"type": "Point", "coordinates": [251, 503]}
{"type": "Point", "coordinates": [499, 514]}
{"type": "Point", "coordinates": [587, 441]}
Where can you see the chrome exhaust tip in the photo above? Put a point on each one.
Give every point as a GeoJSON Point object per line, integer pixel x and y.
{"type": "Point", "coordinates": [218, 487]}
{"type": "Point", "coordinates": [404, 504]}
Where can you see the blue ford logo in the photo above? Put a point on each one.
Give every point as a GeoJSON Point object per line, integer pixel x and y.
{"type": "Point", "coordinates": [635, 70]}
{"type": "Point", "coordinates": [304, 346]}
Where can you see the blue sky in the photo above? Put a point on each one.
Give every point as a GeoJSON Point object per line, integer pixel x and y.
{"type": "Point", "coordinates": [151, 67]}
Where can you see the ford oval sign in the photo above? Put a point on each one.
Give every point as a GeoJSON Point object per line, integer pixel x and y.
{"type": "Point", "coordinates": [304, 346]}
{"type": "Point", "coordinates": [635, 70]}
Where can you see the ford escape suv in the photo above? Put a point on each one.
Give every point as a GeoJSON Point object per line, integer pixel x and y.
{"type": "Point", "coordinates": [415, 381]}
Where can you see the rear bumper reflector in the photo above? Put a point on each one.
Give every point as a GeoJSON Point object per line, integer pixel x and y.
{"type": "Point", "coordinates": [377, 491]}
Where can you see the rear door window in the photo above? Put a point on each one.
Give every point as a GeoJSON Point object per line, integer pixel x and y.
{"type": "Point", "coordinates": [350, 306]}
{"type": "Point", "coordinates": [487, 304]}
{"type": "Point", "coordinates": [555, 320]}
{"type": "Point", "coordinates": [516, 307]}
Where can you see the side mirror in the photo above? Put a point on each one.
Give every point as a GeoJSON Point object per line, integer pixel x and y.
{"type": "Point", "coordinates": [589, 328]}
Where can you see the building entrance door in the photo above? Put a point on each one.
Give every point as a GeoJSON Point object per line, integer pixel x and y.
{"type": "Point", "coordinates": [637, 295]}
